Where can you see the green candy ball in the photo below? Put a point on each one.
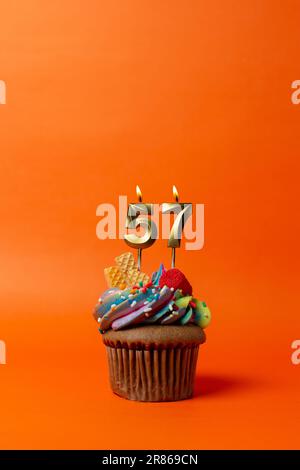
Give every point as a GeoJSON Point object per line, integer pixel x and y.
{"type": "Point", "coordinates": [202, 314]}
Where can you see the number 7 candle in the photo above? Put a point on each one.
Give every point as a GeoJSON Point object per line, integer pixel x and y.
{"type": "Point", "coordinates": [183, 211]}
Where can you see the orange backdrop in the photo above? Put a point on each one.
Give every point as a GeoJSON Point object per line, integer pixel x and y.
{"type": "Point", "coordinates": [102, 96]}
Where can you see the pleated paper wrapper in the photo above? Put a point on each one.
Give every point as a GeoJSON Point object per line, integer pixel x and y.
{"type": "Point", "coordinates": [153, 375]}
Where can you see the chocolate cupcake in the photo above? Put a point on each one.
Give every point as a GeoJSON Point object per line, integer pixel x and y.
{"type": "Point", "coordinates": [152, 330]}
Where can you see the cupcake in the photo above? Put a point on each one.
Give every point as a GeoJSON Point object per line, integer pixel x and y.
{"type": "Point", "coordinates": [152, 329]}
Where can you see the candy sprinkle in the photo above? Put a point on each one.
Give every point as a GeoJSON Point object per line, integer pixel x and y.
{"type": "Point", "coordinates": [141, 283]}
{"type": "Point", "coordinates": [133, 303]}
{"type": "Point", "coordinates": [192, 304]}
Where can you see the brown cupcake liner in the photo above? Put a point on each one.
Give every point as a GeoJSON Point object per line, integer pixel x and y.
{"type": "Point", "coordinates": [153, 375]}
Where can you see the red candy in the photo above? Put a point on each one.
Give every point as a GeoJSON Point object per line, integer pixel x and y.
{"type": "Point", "coordinates": [150, 284]}
{"type": "Point", "coordinates": [175, 278]}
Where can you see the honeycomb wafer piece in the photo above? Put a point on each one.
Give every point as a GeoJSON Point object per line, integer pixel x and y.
{"type": "Point", "coordinates": [126, 262]}
{"type": "Point", "coordinates": [134, 277]}
{"type": "Point", "coordinates": [115, 277]}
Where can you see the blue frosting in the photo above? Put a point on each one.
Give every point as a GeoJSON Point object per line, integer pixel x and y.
{"type": "Point", "coordinates": [157, 275]}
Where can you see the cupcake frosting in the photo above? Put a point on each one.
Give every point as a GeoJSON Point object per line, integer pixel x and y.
{"type": "Point", "coordinates": [166, 300]}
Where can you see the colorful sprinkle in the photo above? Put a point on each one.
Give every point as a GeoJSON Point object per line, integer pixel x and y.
{"type": "Point", "coordinates": [133, 303]}
{"type": "Point", "coordinates": [192, 304]}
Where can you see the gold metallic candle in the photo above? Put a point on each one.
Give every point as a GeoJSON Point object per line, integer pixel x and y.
{"type": "Point", "coordinates": [139, 193]}
{"type": "Point", "coordinates": [140, 198]}
{"type": "Point", "coordinates": [183, 211]}
{"type": "Point", "coordinates": [134, 220]}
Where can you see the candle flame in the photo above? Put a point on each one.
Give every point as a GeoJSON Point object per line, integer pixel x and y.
{"type": "Point", "coordinates": [139, 193]}
{"type": "Point", "coordinates": [175, 193]}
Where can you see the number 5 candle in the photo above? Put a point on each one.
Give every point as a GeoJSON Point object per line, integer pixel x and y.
{"type": "Point", "coordinates": [136, 220]}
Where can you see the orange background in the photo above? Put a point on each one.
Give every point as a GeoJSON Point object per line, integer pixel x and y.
{"type": "Point", "coordinates": [104, 95]}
